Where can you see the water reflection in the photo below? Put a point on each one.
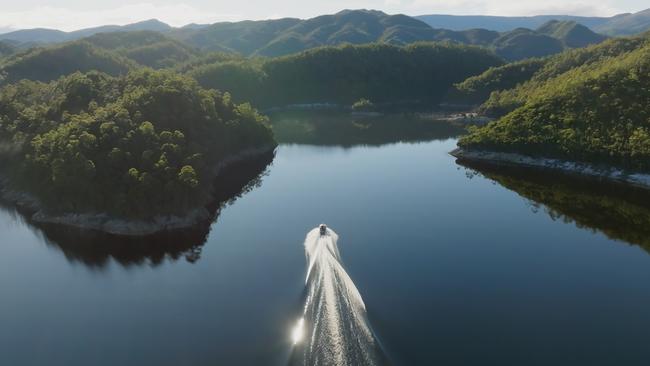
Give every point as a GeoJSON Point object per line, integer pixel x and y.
{"type": "Point", "coordinates": [333, 128]}
{"type": "Point", "coordinates": [96, 249]}
{"type": "Point", "coordinates": [620, 212]}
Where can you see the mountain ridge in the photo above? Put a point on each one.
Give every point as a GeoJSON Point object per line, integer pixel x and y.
{"type": "Point", "coordinates": [617, 25]}
{"type": "Point", "coordinates": [279, 37]}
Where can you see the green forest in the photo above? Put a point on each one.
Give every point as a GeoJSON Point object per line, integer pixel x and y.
{"type": "Point", "coordinates": [380, 73]}
{"type": "Point", "coordinates": [588, 105]}
{"type": "Point", "coordinates": [132, 122]}
{"type": "Point", "coordinates": [135, 146]}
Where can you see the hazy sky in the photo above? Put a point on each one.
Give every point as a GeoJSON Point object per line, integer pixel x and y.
{"type": "Point", "coordinates": [75, 14]}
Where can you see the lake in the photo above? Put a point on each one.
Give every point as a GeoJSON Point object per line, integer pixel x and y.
{"type": "Point", "coordinates": [456, 266]}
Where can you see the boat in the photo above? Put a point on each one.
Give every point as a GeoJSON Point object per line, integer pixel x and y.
{"type": "Point", "coordinates": [323, 229]}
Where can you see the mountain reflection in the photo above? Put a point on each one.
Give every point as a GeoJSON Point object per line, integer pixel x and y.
{"type": "Point", "coordinates": [96, 249]}
{"type": "Point", "coordinates": [333, 128]}
{"type": "Point", "coordinates": [620, 212]}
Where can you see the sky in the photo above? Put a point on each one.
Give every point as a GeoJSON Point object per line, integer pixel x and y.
{"type": "Point", "coordinates": [76, 14]}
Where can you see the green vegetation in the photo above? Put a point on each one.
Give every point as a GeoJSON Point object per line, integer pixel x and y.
{"type": "Point", "coordinates": [504, 88]}
{"type": "Point", "coordinates": [147, 48]}
{"type": "Point", "coordinates": [572, 34]}
{"type": "Point", "coordinates": [588, 105]}
{"type": "Point", "coordinates": [524, 43]}
{"type": "Point", "coordinates": [134, 146]}
{"type": "Point", "coordinates": [477, 89]}
{"type": "Point", "coordinates": [6, 48]}
{"type": "Point", "coordinates": [345, 74]}
{"type": "Point", "coordinates": [281, 37]}
{"type": "Point", "coordinates": [47, 64]}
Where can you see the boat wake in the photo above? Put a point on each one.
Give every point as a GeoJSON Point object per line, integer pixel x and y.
{"type": "Point", "coordinates": [334, 328]}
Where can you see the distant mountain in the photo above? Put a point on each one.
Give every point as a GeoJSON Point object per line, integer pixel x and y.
{"type": "Point", "coordinates": [194, 26]}
{"type": "Point", "coordinates": [573, 35]}
{"type": "Point", "coordinates": [43, 35]}
{"type": "Point", "coordinates": [626, 24]}
{"type": "Point", "coordinates": [36, 35]}
{"type": "Point", "coordinates": [503, 24]}
{"type": "Point", "coordinates": [622, 24]}
{"type": "Point", "coordinates": [147, 25]}
{"type": "Point", "coordinates": [244, 37]}
{"type": "Point", "coordinates": [551, 38]}
{"type": "Point", "coordinates": [287, 36]}
{"type": "Point", "coordinates": [524, 43]}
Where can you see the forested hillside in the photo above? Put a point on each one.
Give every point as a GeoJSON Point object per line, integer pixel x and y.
{"type": "Point", "coordinates": [572, 34]}
{"type": "Point", "coordinates": [135, 146]}
{"type": "Point", "coordinates": [504, 88]}
{"type": "Point", "coordinates": [6, 49]}
{"type": "Point", "coordinates": [147, 48]}
{"type": "Point", "coordinates": [287, 36]}
{"type": "Point", "coordinates": [379, 72]}
{"type": "Point", "coordinates": [46, 64]}
{"type": "Point", "coordinates": [589, 105]}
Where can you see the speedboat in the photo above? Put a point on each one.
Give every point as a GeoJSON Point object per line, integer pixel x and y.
{"type": "Point", "coordinates": [323, 229]}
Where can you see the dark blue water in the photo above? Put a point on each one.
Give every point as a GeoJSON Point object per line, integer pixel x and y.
{"type": "Point", "coordinates": [454, 268]}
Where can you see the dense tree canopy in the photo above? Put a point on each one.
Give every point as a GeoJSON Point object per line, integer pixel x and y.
{"type": "Point", "coordinates": [477, 89]}
{"type": "Point", "coordinates": [47, 64]}
{"type": "Point", "coordinates": [597, 112]}
{"type": "Point", "coordinates": [504, 88]}
{"type": "Point", "coordinates": [135, 146]}
{"type": "Point", "coordinates": [345, 74]}
{"type": "Point", "coordinates": [147, 48]}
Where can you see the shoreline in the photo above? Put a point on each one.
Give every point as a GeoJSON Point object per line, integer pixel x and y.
{"type": "Point", "coordinates": [639, 180]}
{"type": "Point", "coordinates": [31, 207]}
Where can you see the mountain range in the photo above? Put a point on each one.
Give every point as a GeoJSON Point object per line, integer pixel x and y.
{"type": "Point", "coordinates": [285, 36]}
{"type": "Point", "coordinates": [618, 25]}
{"type": "Point", "coordinates": [44, 35]}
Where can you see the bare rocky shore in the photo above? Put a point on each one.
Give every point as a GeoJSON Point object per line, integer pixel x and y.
{"type": "Point", "coordinates": [103, 222]}
{"type": "Point", "coordinates": [591, 170]}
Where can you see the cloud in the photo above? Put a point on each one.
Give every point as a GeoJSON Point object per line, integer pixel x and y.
{"type": "Point", "coordinates": [69, 19]}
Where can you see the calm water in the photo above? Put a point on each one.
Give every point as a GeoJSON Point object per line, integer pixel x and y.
{"type": "Point", "coordinates": [455, 268]}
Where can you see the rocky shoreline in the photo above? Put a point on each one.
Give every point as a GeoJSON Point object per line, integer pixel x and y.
{"type": "Point", "coordinates": [103, 222]}
{"type": "Point", "coordinates": [639, 180]}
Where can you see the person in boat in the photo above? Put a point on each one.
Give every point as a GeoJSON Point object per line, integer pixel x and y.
{"type": "Point", "coordinates": [323, 229]}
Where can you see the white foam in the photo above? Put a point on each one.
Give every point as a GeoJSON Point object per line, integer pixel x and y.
{"type": "Point", "coordinates": [334, 329]}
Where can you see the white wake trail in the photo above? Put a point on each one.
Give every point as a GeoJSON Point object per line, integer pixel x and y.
{"type": "Point", "coordinates": [334, 329]}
